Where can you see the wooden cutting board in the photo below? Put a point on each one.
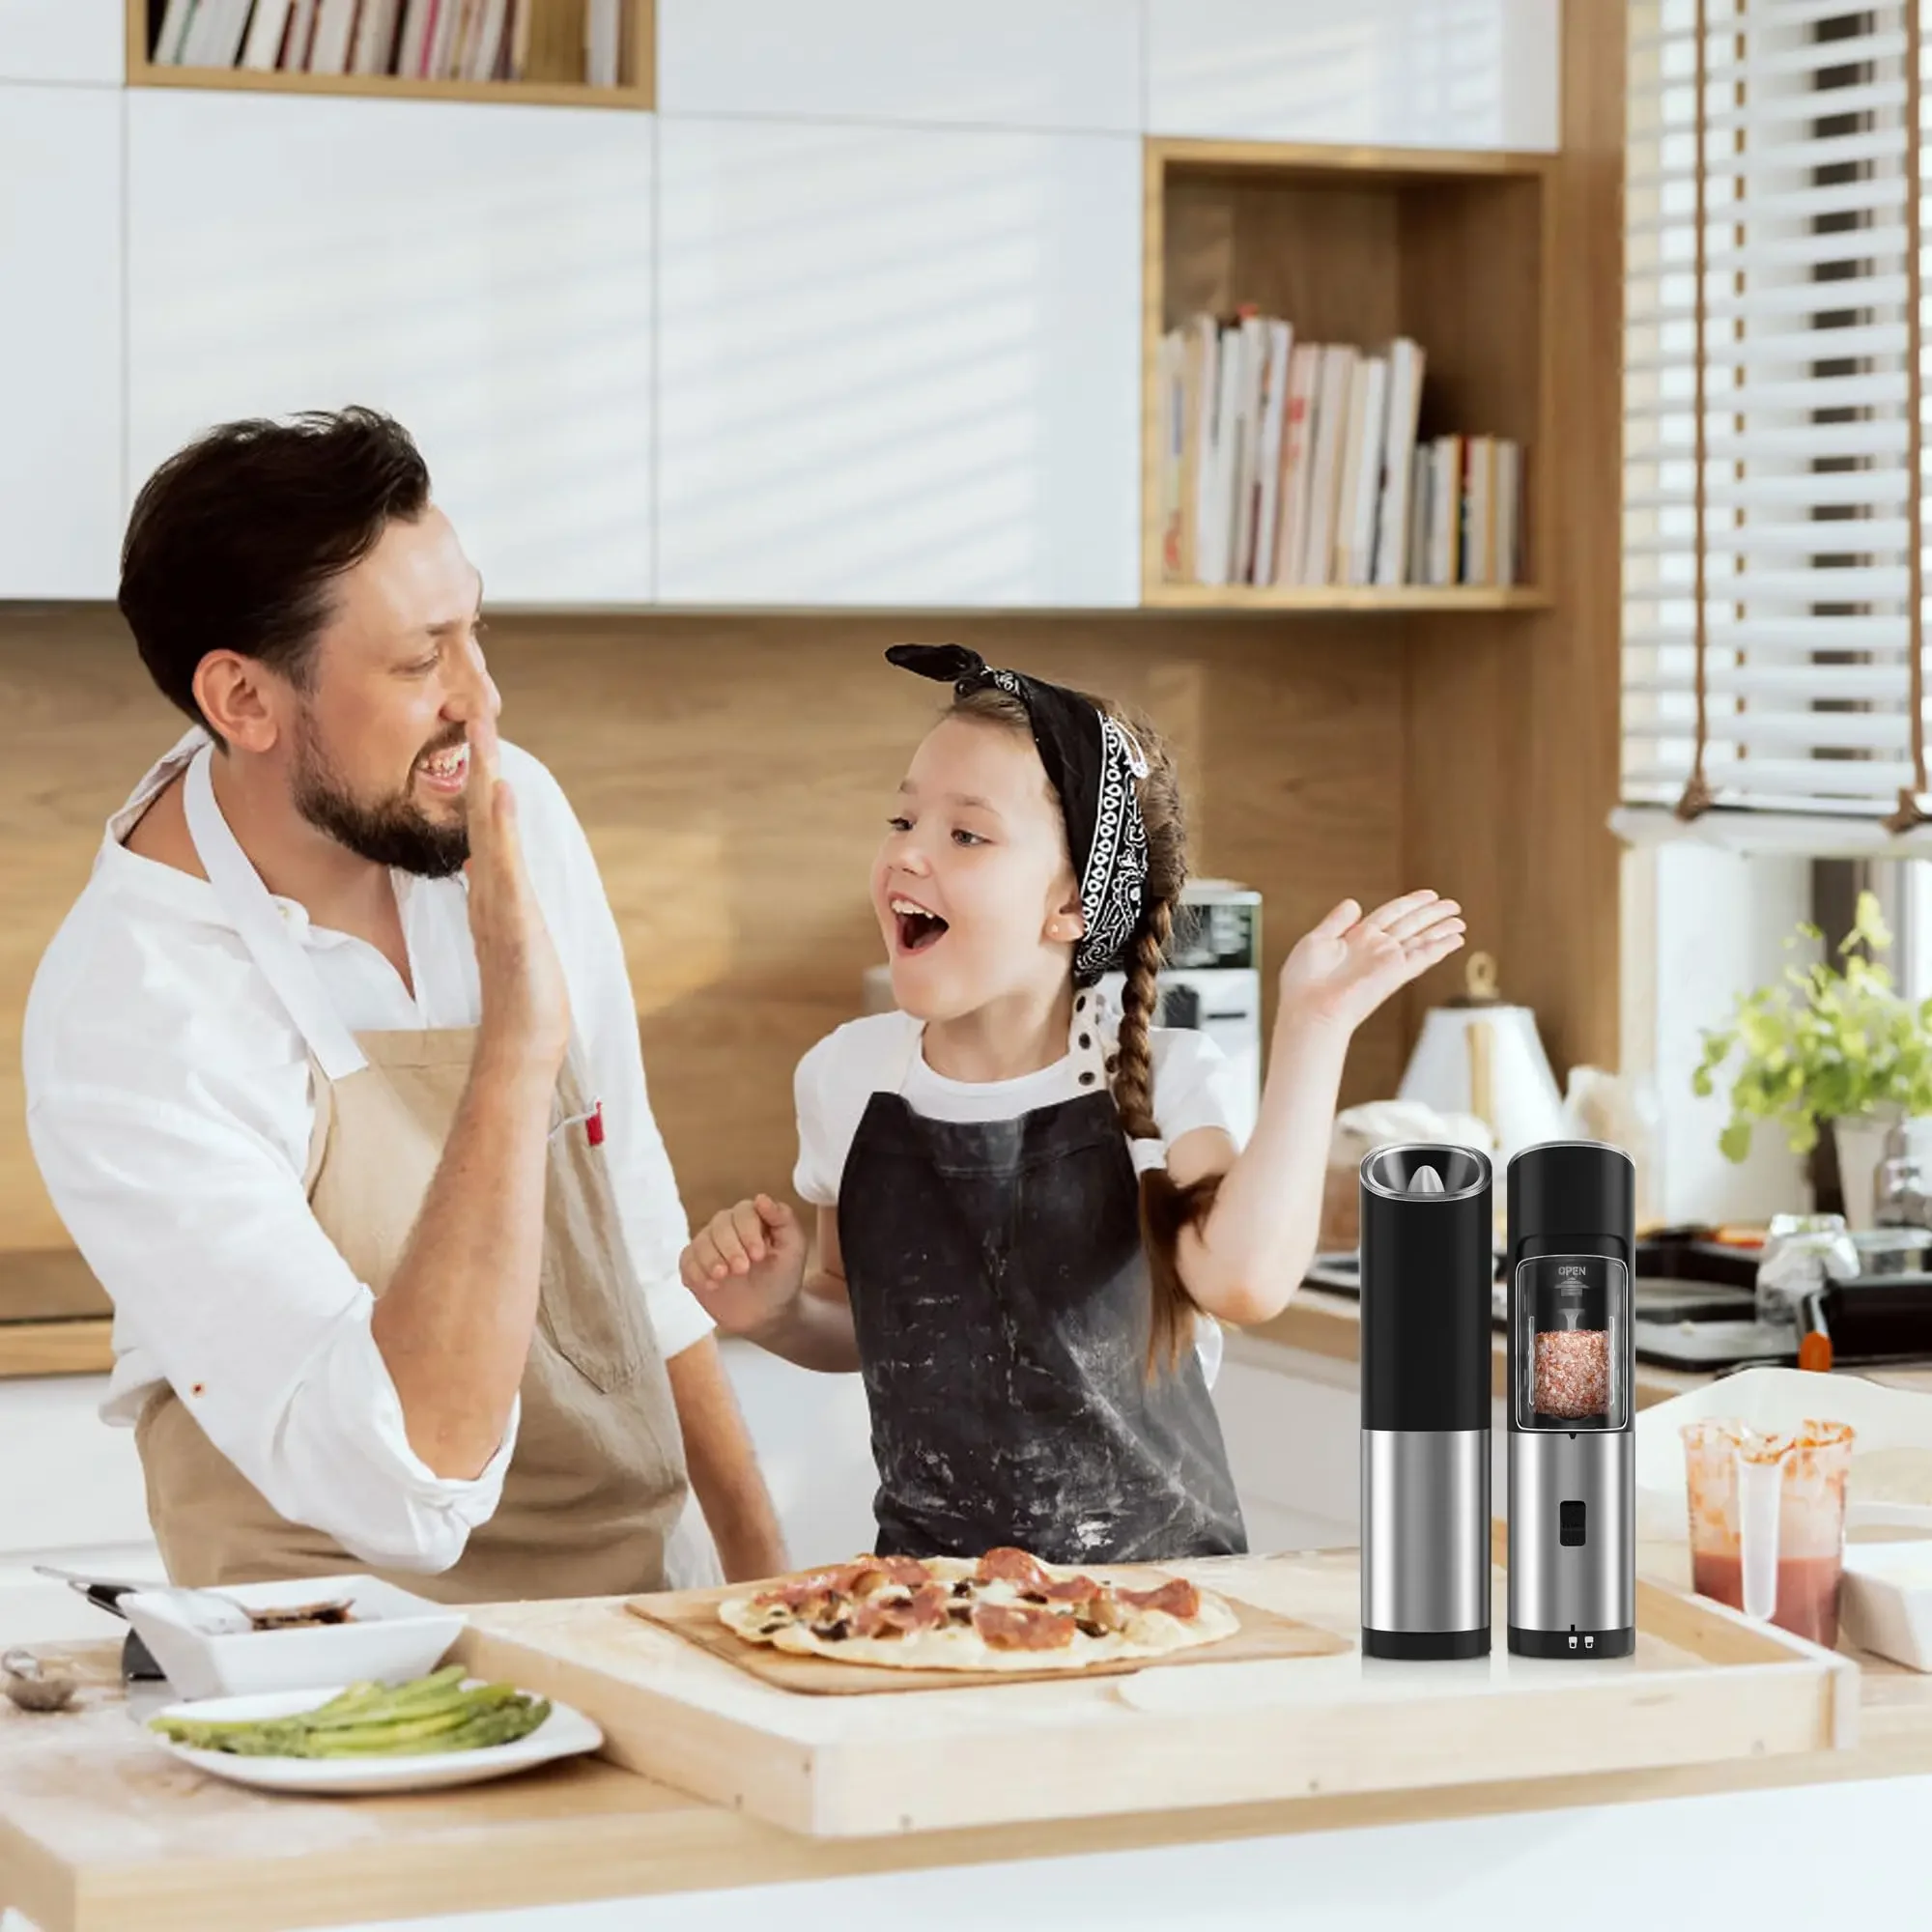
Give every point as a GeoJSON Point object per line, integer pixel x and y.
{"type": "Point", "coordinates": [1265, 1633]}
{"type": "Point", "coordinates": [1704, 1684]}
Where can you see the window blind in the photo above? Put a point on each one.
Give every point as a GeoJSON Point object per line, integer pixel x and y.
{"type": "Point", "coordinates": [1773, 440]}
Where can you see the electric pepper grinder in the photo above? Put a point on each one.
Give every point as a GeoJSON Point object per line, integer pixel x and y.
{"type": "Point", "coordinates": [1427, 1265]}
{"type": "Point", "coordinates": [1572, 1421]}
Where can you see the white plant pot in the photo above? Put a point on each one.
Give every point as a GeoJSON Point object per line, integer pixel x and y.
{"type": "Point", "coordinates": [1860, 1139]}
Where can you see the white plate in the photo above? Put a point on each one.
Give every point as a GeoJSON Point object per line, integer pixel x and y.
{"type": "Point", "coordinates": [565, 1733]}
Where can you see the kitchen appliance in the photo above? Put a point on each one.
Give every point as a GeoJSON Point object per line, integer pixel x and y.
{"type": "Point", "coordinates": [1479, 1055]}
{"type": "Point", "coordinates": [1572, 1412]}
{"type": "Point", "coordinates": [1702, 1306]}
{"type": "Point", "coordinates": [1213, 982]}
{"type": "Point", "coordinates": [1425, 1267]}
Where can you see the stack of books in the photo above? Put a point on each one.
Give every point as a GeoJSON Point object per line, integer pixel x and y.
{"type": "Point", "coordinates": [1297, 464]}
{"type": "Point", "coordinates": [413, 40]}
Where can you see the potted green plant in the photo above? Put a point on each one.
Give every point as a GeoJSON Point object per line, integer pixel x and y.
{"type": "Point", "coordinates": [1827, 1045]}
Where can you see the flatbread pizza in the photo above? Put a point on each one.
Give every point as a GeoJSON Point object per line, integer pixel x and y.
{"type": "Point", "coordinates": [1004, 1611]}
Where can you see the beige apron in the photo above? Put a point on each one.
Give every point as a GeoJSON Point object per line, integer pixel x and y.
{"type": "Point", "coordinates": [596, 1481]}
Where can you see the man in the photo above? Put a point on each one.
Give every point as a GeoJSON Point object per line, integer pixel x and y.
{"type": "Point", "coordinates": [341, 1098]}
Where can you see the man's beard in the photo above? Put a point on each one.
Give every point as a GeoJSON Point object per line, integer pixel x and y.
{"type": "Point", "coordinates": [395, 833]}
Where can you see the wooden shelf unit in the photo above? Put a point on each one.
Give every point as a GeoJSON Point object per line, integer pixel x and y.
{"type": "Point", "coordinates": [1358, 246]}
{"type": "Point", "coordinates": [637, 88]}
{"type": "Point", "coordinates": [1277, 598]}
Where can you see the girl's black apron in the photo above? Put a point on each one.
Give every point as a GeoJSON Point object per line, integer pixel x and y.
{"type": "Point", "coordinates": [1001, 1301]}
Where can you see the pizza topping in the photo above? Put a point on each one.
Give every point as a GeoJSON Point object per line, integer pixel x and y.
{"type": "Point", "coordinates": [1014, 1602]}
{"type": "Point", "coordinates": [1178, 1598]}
{"type": "Point", "coordinates": [1031, 1580]}
{"type": "Point", "coordinates": [925, 1608]}
{"type": "Point", "coordinates": [862, 1577]}
{"type": "Point", "coordinates": [1015, 1626]}
{"type": "Point", "coordinates": [1069, 1589]}
{"type": "Point", "coordinates": [798, 1591]}
{"type": "Point", "coordinates": [1014, 1567]}
{"type": "Point", "coordinates": [867, 1575]}
{"type": "Point", "coordinates": [1101, 1614]}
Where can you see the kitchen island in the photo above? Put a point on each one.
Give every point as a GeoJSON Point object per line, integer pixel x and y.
{"type": "Point", "coordinates": [100, 1831]}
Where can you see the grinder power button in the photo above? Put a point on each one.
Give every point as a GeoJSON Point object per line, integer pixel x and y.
{"type": "Point", "coordinates": [1570, 1525]}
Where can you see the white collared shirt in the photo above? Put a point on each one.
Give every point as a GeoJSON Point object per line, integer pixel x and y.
{"type": "Point", "coordinates": [169, 1107]}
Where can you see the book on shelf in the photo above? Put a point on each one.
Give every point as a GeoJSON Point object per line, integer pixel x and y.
{"type": "Point", "coordinates": [1398, 462]}
{"type": "Point", "coordinates": [603, 42]}
{"type": "Point", "coordinates": [1333, 404]}
{"type": "Point", "coordinates": [1284, 462]}
{"type": "Point", "coordinates": [334, 36]}
{"type": "Point", "coordinates": [469, 40]}
{"type": "Point", "coordinates": [1268, 456]}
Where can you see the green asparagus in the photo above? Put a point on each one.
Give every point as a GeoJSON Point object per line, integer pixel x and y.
{"type": "Point", "coordinates": [432, 1714]}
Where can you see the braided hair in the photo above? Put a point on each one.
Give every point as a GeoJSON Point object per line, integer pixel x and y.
{"type": "Point", "coordinates": [1166, 1209]}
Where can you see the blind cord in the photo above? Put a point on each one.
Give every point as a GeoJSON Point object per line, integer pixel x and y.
{"type": "Point", "coordinates": [1697, 796]}
{"type": "Point", "coordinates": [1911, 800]}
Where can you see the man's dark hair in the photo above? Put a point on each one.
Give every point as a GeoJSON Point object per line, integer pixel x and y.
{"type": "Point", "coordinates": [235, 539]}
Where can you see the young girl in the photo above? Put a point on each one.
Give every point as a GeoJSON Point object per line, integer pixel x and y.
{"type": "Point", "coordinates": [1024, 1198]}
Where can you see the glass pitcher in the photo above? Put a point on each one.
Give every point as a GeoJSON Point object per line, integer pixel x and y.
{"type": "Point", "coordinates": [1767, 1521]}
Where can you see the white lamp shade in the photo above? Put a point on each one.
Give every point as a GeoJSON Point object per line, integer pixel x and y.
{"type": "Point", "coordinates": [1522, 1104]}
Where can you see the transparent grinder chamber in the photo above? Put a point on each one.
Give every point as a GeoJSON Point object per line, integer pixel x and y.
{"type": "Point", "coordinates": [1572, 1343]}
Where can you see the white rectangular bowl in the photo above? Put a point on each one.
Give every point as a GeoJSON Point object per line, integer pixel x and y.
{"type": "Point", "coordinates": [1885, 1603]}
{"type": "Point", "coordinates": [393, 1637]}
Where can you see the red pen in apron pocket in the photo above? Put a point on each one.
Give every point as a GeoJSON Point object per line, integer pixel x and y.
{"type": "Point", "coordinates": [593, 1123]}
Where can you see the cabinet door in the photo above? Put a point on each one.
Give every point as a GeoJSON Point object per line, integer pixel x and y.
{"type": "Point", "coordinates": [482, 272]}
{"type": "Point", "coordinates": [898, 367]}
{"type": "Point", "coordinates": [1482, 74]}
{"type": "Point", "coordinates": [86, 1489]}
{"type": "Point", "coordinates": [63, 40]}
{"type": "Point", "coordinates": [1292, 1426]}
{"type": "Point", "coordinates": [812, 1437]}
{"type": "Point", "coordinates": [59, 340]}
{"type": "Point", "coordinates": [1075, 64]}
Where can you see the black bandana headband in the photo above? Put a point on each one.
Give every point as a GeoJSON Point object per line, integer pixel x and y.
{"type": "Point", "coordinates": [1092, 761]}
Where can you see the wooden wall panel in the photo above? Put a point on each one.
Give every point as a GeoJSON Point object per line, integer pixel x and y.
{"type": "Point", "coordinates": [1512, 726]}
{"type": "Point", "coordinates": [733, 774]}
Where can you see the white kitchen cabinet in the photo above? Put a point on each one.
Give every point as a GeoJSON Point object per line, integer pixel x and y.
{"type": "Point", "coordinates": [84, 41]}
{"type": "Point", "coordinates": [60, 341]}
{"type": "Point", "coordinates": [812, 1437]}
{"type": "Point", "coordinates": [1432, 74]}
{"type": "Point", "coordinates": [1075, 64]}
{"type": "Point", "coordinates": [483, 272]}
{"type": "Point", "coordinates": [898, 367]}
{"type": "Point", "coordinates": [1292, 1426]}
{"type": "Point", "coordinates": [74, 1498]}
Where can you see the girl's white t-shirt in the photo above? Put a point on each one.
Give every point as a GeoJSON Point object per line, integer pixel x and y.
{"type": "Point", "coordinates": [880, 1053]}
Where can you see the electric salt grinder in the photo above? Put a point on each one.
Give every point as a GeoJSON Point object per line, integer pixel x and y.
{"type": "Point", "coordinates": [1427, 1265]}
{"type": "Point", "coordinates": [1572, 1419]}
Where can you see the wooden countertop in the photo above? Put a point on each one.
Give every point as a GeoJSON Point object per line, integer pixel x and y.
{"type": "Point", "coordinates": [55, 1319]}
{"type": "Point", "coordinates": [100, 1833]}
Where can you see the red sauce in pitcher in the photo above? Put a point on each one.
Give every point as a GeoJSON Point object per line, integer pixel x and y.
{"type": "Point", "coordinates": [1808, 1591]}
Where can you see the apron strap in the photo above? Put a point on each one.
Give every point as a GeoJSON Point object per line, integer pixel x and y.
{"type": "Point", "coordinates": [245, 900]}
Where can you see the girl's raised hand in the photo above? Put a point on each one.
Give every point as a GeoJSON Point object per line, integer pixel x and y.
{"type": "Point", "coordinates": [1343, 969]}
{"type": "Point", "coordinates": [746, 1264]}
